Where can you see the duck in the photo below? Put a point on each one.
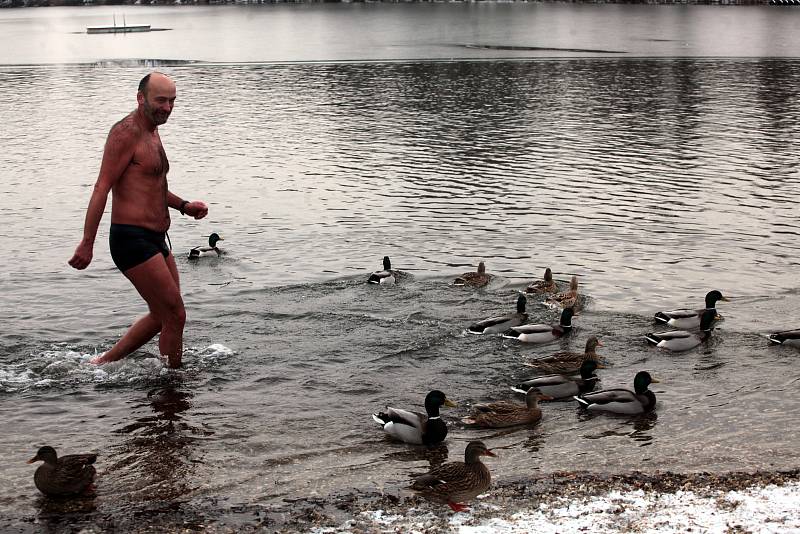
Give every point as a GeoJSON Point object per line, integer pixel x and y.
{"type": "Point", "coordinates": [566, 299]}
{"type": "Point", "coordinates": [682, 340]}
{"type": "Point", "coordinates": [790, 338]}
{"type": "Point", "coordinates": [477, 278]}
{"type": "Point", "coordinates": [496, 325]}
{"type": "Point", "coordinates": [210, 250]}
{"type": "Point", "coordinates": [566, 362]}
{"type": "Point", "coordinates": [690, 319]}
{"type": "Point", "coordinates": [454, 483]}
{"type": "Point", "coordinates": [558, 386]}
{"type": "Point", "coordinates": [544, 286]}
{"type": "Point", "coordinates": [69, 475]}
{"type": "Point", "coordinates": [620, 400]}
{"type": "Point", "coordinates": [542, 333]}
{"type": "Point", "coordinates": [503, 414]}
{"type": "Point", "coordinates": [414, 427]}
{"type": "Point", "coordinates": [384, 277]}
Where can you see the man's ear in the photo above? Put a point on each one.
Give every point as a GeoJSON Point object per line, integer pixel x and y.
{"type": "Point", "coordinates": [140, 97]}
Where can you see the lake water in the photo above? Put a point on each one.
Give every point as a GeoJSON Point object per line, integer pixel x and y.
{"type": "Point", "coordinates": [650, 150]}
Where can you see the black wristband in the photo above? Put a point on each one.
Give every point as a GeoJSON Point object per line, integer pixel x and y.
{"type": "Point", "coordinates": [183, 205]}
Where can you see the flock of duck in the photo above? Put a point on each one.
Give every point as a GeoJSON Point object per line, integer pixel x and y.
{"type": "Point", "coordinates": [563, 375]}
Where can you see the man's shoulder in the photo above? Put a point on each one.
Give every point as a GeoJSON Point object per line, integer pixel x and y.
{"type": "Point", "coordinates": [126, 127]}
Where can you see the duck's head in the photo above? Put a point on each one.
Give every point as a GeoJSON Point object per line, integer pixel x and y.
{"type": "Point", "coordinates": [521, 302]}
{"type": "Point", "coordinates": [712, 297]}
{"type": "Point", "coordinates": [592, 343]}
{"type": "Point", "coordinates": [533, 396]}
{"type": "Point", "coordinates": [481, 268]}
{"type": "Point", "coordinates": [435, 400]}
{"type": "Point", "coordinates": [707, 319]}
{"type": "Point", "coordinates": [548, 275]}
{"type": "Point", "coordinates": [45, 454]}
{"type": "Point", "coordinates": [573, 283]}
{"type": "Point", "coordinates": [566, 318]}
{"type": "Point", "coordinates": [213, 239]}
{"type": "Point", "coordinates": [642, 381]}
{"type": "Point", "coordinates": [387, 265]}
{"type": "Point", "coordinates": [476, 449]}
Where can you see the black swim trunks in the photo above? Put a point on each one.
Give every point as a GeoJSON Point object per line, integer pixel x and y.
{"type": "Point", "coordinates": [131, 245]}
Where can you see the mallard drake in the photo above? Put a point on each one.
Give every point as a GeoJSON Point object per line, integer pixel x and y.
{"type": "Point", "coordinates": [689, 319]}
{"type": "Point", "coordinates": [566, 299]}
{"type": "Point", "coordinates": [681, 340]}
{"type": "Point", "coordinates": [477, 278]}
{"type": "Point", "coordinates": [546, 285]}
{"type": "Point", "coordinates": [414, 427]}
{"type": "Point", "coordinates": [620, 400]}
{"type": "Point", "coordinates": [72, 474]}
{"type": "Point", "coordinates": [496, 325]}
{"type": "Point", "coordinates": [384, 277]}
{"type": "Point", "coordinates": [566, 362]}
{"type": "Point", "coordinates": [210, 250]}
{"type": "Point", "coordinates": [542, 333]}
{"type": "Point", "coordinates": [789, 338]}
{"type": "Point", "coordinates": [504, 413]}
{"type": "Point", "coordinates": [563, 386]}
{"type": "Point", "coordinates": [454, 483]}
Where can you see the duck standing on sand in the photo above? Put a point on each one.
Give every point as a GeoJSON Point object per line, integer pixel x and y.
{"type": "Point", "coordinates": [566, 362]}
{"type": "Point", "coordinates": [384, 277]}
{"type": "Point", "coordinates": [681, 340]}
{"type": "Point", "coordinates": [503, 414]}
{"type": "Point", "coordinates": [414, 427]}
{"type": "Point", "coordinates": [477, 278]}
{"type": "Point", "coordinates": [689, 319]}
{"type": "Point", "coordinates": [542, 333]}
{"type": "Point", "coordinates": [558, 386]}
{"type": "Point", "coordinates": [622, 401]}
{"type": "Point", "coordinates": [454, 483]}
{"type": "Point", "coordinates": [496, 325]}
{"type": "Point", "coordinates": [69, 475]}
{"type": "Point", "coordinates": [545, 286]}
{"type": "Point", "coordinates": [210, 250]}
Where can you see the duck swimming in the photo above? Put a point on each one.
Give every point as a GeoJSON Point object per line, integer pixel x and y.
{"type": "Point", "coordinates": [790, 338]}
{"type": "Point", "coordinates": [567, 299]}
{"type": "Point", "coordinates": [384, 277]}
{"type": "Point", "coordinates": [681, 340]}
{"type": "Point", "coordinates": [210, 250]}
{"type": "Point", "coordinates": [454, 483]}
{"type": "Point", "coordinates": [503, 414]}
{"type": "Point", "coordinates": [68, 475]}
{"type": "Point", "coordinates": [622, 401]}
{"type": "Point", "coordinates": [542, 333]}
{"type": "Point", "coordinates": [414, 427]}
{"type": "Point", "coordinates": [689, 319]}
{"type": "Point", "coordinates": [544, 286]}
{"type": "Point", "coordinates": [566, 362]}
{"type": "Point", "coordinates": [559, 386]}
{"type": "Point", "coordinates": [496, 325]}
{"type": "Point", "coordinates": [477, 278]}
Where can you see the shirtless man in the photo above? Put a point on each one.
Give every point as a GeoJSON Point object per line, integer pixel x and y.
{"type": "Point", "coordinates": [134, 169]}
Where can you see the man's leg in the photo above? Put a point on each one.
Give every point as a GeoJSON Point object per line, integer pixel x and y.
{"type": "Point", "coordinates": [157, 282]}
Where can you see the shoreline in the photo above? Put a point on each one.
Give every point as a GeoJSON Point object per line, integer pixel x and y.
{"type": "Point", "coordinates": [762, 501]}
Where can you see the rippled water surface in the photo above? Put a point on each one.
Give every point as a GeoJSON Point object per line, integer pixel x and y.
{"type": "Point", "coordinates": [654, 179]}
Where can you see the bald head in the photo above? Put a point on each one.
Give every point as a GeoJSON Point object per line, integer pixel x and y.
{"type": "Point", "coordinates": [156, 97]}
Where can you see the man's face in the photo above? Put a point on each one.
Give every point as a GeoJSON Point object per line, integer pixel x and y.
{"type": "Point", "coordinates": [159, 99]}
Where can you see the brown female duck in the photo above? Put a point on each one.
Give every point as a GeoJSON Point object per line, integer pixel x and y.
{"type": "Point", "coordinates": [567, 299]}
{"type": "Point", "coordinates": [568, 362]}
{"type": "Point", "coordinates": [455, 482]}
{"type": "Point", "coordinates": [477, 278]}
{"type": "Point", "coordinates": [72, 474]}
{"type": "Point", "coordinates": [545, 286]}
{"type": "Point", "coordinates": [504, 413]}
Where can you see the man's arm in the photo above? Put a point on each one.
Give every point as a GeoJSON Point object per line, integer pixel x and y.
{"type": "Point", "coordinates": [117, 155]}
{"type": "Point", "coordinates": [195, 208]}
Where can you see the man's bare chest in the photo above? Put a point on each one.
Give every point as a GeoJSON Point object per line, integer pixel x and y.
{"type": "Point", "coordinates": [150, 159]}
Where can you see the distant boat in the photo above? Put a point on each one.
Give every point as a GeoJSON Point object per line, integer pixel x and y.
{"type": "Point", "coordinates": [125, 28]}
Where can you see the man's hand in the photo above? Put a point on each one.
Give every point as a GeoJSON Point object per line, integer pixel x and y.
{"type": "Point", "coordinates": [83, 256]}
{"type": "Point", "coordinates": [196, 209]}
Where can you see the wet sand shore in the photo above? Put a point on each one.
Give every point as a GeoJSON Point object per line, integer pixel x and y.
{"type": "Point", "coordinates": [562, 502]}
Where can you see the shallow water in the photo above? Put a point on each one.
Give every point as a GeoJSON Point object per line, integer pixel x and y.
{"type": "Point", "coordinates": [652, 179]}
